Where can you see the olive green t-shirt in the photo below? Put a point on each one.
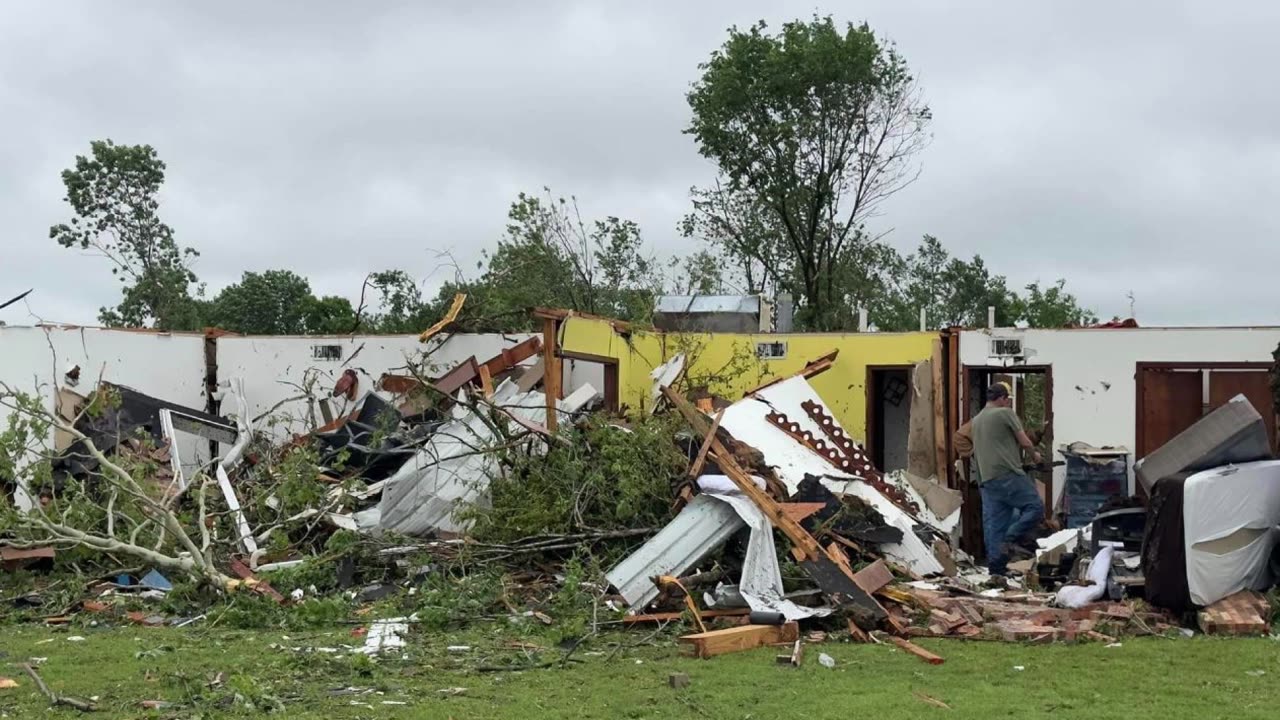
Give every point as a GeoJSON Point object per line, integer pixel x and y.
{"type": "Point", "coordinates": [995, 443]}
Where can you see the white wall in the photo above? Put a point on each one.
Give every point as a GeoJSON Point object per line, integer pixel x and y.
{"type": "Point", "coordinates": [1094, 384]}
{"type": "Point", "coordinates": [276, 369]}
{"type": "Point", "coordinates": [168, 366]}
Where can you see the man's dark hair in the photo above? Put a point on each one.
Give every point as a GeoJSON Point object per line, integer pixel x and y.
{"type": "Point", "coordinates": [997, 391]}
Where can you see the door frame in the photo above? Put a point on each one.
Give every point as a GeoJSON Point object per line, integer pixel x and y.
{"type": "Point", "coordinates": [869, 395]}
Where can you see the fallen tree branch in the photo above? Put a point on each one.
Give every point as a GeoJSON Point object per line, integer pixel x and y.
{"type": "Point", "coordinates": [55, 699]}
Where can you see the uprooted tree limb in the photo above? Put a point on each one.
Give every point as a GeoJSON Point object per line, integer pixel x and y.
{"type": "Point", "coordinates": [110, 510]}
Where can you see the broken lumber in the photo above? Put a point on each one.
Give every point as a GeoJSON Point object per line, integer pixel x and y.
{"type": "Point", "coordinates": [793, 658]}
{"type": "Point", "coordinates": [916, 650]}
{"type": "Point", "coordinates": [719, 642]}
{"type": "Point", "coordinates": [822, 566]}
{"type": "Point", "coordinates": [695, 469]}
{"type": "Point", "coordinates": [670, 616]}
{"type": "Point", "coordinates": [450, 316]}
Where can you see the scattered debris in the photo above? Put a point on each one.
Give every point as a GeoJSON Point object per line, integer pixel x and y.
{"type": "Point", "coordinates": [826, 661]}
{"type": "Point", "coordinates": [678, 681]}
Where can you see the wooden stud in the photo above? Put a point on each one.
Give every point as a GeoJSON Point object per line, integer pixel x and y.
{"type": "Point", "coordinates": [551, 373]}
{"type": "Point", "coordinates": [486, 381]}
{"type": "Point", "coordinates": [719, 642]}
{"type": "Point", "coordinates": [939, 412]}
{"type": "Point", "coordinates": [916, 650]}
{"type": "Point", "coordinates": [695, 470]}
{"type": "Point", "coordinates": [805, 548]}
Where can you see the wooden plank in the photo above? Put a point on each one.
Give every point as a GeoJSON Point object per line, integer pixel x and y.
{"type": "Point", "coordinates": [531, 377]}
{"type": "Point", "coordinates": [695, 470]}
{"type": "Point", "coordinates": [747, 637]}
{"type": "Point", "coordinates": [939, 411]}
{"type": "Point", "coordinates": [486, 381]}
{"type": "Point", "coordinates": [551, 374]}
{"type": "Point", "coordinates": [670, 616]}
{"type": "Point", "coordinates": [800, 511]}
{"type": "Point", "coordinates": [793, 658]}
{"type": "Point", "coordinates": [873, 577]}
{"type": "Point", "coordinates": [462, 374]}
{"type": "Point", "coordinates": [449, 317]}
{"type": "Point", "coordinates": [512, 356]}
{"type": "Point", "coordinates": [812, 368]}
{"type": "Point", "coordinates": [916, 650]}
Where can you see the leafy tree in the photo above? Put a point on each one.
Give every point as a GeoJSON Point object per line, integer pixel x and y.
{"type": "Point", "coordinates": [551, 257]}
{"type": "Point", "coordinates": [698, 273]}
{"type": "Point", "coordinates": [958, 292]}
{"type": "Point", "coordinates": [113, 194]}
{"type": "Point", "coordinates": [812, 129]}
{"type": "Point", "coordinates": [277, 302]}
{"type": "Point", "coordinates": [1053, 307]}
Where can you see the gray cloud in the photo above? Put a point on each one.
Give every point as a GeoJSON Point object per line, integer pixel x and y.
{"type": "Point", "coordinates": [1127, 147]}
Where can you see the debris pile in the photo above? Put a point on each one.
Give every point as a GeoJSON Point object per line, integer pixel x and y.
{"type": "Point", "coordinates": [669, 516]}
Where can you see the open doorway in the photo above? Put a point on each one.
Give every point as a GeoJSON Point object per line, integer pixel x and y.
{"type": "Point", "coordinates": [888, 415]}
{"type": "Point", "coordinates": [1032, 393]}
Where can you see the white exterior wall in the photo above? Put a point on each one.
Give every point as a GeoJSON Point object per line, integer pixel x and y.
{"type": "Point", "coordinates": [1094, 383]}
{"type": "Point", "coordinates": [275, 369]}
{"type": "Point", "coordinates": [168, 366]}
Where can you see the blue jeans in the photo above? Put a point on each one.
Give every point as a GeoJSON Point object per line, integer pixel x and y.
{"type": "Point", "coordinates": [1010, 508]}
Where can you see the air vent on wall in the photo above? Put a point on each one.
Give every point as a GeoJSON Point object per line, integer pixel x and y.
{"type": "Point", "coordinates": [1006, 347]}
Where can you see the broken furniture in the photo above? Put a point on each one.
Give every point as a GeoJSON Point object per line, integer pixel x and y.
{"type": "Point", "coordinates": [1234, 433]}
{"type": "Point", "coordinates": [1093, 476]}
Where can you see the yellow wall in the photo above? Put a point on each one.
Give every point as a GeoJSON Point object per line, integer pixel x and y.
{"type": "Point", "coordinates": [727, 365]}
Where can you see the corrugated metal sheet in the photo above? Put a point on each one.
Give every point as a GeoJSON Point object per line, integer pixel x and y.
{"type": "Point", "coordinates": [704, 525]}
{"type": "Point", "coordinates": [677, 304]}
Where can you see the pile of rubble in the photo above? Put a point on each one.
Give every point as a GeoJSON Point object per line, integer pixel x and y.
{"type": "Point", "coordinates": [879, 553]}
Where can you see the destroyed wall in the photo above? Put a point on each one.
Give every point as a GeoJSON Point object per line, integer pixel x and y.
{"type": "Point", "coordinates": [733, 359]}
{"type": "Point", "coordinates": [166, 365]}
{"type": "Point", "coordinates": [275, 368]}
{"type": "Point", "coordinates": [1094, 388]}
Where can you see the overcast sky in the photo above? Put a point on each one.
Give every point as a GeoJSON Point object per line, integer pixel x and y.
{"type": "Point", "coordinates": [1124, 146]}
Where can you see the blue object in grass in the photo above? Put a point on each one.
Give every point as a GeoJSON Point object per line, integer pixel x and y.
{"type": "Point", "coordinates": [156, 580]}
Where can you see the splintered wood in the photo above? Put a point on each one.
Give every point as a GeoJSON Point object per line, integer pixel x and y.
{"type": "Point", "coordinates": [719, 642]}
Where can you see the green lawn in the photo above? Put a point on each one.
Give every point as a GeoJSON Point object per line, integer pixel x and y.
{"type": "Point", "coordinates": [1150, 678]}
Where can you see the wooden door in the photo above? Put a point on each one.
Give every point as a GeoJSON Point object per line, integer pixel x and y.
{"type": "Point", "coordinates": [1171, 401]}
{"type": "Point", "coordinates": [1255, 385]}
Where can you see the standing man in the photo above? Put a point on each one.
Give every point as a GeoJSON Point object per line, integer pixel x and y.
{"type": "Point", "coordinates": [1010, 504]}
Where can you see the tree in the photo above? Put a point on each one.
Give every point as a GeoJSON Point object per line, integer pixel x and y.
{"type": "Point", "coordinates": [955, 292]}
{"type": "Point", "coordinates": [1053, 307]}
{"type": "Point", "coordinates": [114, 196]}
{"type": "Point", "coordinates": [812, 129]}
{"type": "Point", "coordinates": [277, 302]}
{"type": "Point", "coordinates": [551, 257]}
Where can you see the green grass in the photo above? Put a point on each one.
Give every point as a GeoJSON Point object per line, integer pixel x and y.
{"type": "Point", "coordinates": [1150, 678]}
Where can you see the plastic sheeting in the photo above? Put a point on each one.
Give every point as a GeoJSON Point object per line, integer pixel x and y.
{"type": "Point", "coordinates": [761, 583]}
{"type": "Point", "coordinates": [1074, 596]}
{"type": "Point", "coordinates": [1230, 515]}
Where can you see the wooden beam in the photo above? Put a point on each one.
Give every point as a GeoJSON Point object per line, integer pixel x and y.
{"type": "Point", "coordinates": [813, 367]}
{"type": "Point", "coordinates": [939, 412]}
{"type": "Point", "coordinates": [695, 470]}
{"type": "Point", "coordinates": [551, 373]}
{"type": "Point", "coordinates": [802, 510]}
{"type": "Point", "coordinates": [916, 650]}
{"type": "Point", "coordinates": [512, 356]}
{"type": "Point", "coordinates": [719, 642]}
{"type": "Point", "coordinates": [823, 566]}
{"type": "Point", "coordinates": [486, 381]}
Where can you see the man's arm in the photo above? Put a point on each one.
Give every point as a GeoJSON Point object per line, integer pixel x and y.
{"type": "Point", "coordinates": [1023, 440]}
